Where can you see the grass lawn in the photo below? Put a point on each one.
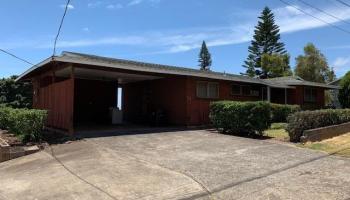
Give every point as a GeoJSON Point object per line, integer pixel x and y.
{"type": "Point", "coordinates": [338, 145]}
{"type": "Point", "coordinates": [278, 132]}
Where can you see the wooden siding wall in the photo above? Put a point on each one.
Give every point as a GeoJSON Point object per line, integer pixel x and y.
{"type": "Point", "coordinates": [320, 98]}
{"type": "Point", "coordinates": [56, 96]}
{"type": "Point", "coordinates": [140, 99]}
{"type": "Point", "coordinates": [198, 108]}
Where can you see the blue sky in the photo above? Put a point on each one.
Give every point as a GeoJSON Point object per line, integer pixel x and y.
{"type": "Point", "coordinates": [166, 31]}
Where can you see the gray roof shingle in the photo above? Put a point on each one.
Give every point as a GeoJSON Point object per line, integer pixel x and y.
{"type": "Point", "coordinates": [72, 57]}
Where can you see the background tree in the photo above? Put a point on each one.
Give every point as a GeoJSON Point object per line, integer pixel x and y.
{"type": "Point", "coordinates": [13, 94]}
{"type": "Point", "coordinates": [275, 65]}
{"type": "Point", "coordinates": [204, 58]}
{"type": "Point", "coordinates": [265, 41]}
{"type": "Point", "coordinates": [313, 66]}
{"type": "Point", "coordinates": [344, 92]}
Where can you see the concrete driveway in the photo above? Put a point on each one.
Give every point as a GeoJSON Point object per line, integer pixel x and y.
{"type": "Point", "coordinates": [175, 165]}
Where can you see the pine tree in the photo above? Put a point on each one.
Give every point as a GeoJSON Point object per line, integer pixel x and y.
{"type": "Point", "coordinates": [265, 41]}
{"type": "Point", "coordinates": [204, 58]}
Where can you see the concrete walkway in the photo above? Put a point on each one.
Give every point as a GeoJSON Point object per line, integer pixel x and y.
{"type": "Point", "coordinates": [175, 165]}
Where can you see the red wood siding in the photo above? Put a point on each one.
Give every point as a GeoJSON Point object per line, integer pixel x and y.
{"type": "Point", "coordinates": [320, 98]}
{"type": "Point", "coordinates": [198, 108]}
{"type": "Point", "coordinates": [140, 99]}
{"type": "Point", "coordinates": [56, 96]}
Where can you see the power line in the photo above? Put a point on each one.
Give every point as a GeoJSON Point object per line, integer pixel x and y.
{"type": "Point", "coordinates": [331, 15]}
{"type": "Point", "coordinates": [54, 49]}
{"type": "Point", "coordinates": [59, 29]}
{"type": "Point", "coordinates": [319, 19]}
{"type": "Point", "coordinates": [13, 55]}
{"type": "Point", "coordinates": [344, 3]}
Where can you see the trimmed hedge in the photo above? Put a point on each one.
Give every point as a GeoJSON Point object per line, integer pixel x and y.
{"type": "Point", "coordinates": [240, 117]}
{"type": "Point", "coordinates": [25, 123]}
{"type": "Point", "coordinates": [279, 112]}
{"type": "Point", "coordinates": [4, 113]}
{"type": "Point", "coordinates": [304, 120]}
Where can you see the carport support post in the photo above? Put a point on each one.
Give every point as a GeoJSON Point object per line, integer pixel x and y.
{"type": "Point", "coordinates": [268, 93]}
{"type": "Point", "coordinates": [71, 119]}
{"type": "Point", "coordinates": [285, 96]}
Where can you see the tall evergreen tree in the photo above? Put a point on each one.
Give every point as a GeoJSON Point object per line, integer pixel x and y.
{"type": "Point", "coordinates": [204, 58]}
{"type": "Point", "coordinates": [265, 41]}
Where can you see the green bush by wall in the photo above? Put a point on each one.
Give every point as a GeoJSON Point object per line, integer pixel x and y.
{"type": "Point", "coordinates": [25, 123]}
{"type": "Point", "coordinates": [279, 112]}
{"type": "Point", "coordinates": [240, 117]}
{"type": "Point", "coordinates": [304, 120]}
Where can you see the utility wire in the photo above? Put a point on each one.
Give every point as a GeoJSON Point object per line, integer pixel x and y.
{"type": "Point", "coordinates": [329, 14]}
{"type": "Point", "coordinates": [13, 55]}
{"type": "Point", "coordinates": [54, 49]}
{"type": "Point", "coordinates": [60, 27]}
{"type": "Point", "coordinates": [306, 13]}
{"type": "Point", "coordinates": [344, 3]}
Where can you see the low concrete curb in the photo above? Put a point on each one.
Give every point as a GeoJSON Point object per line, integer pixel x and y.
{"type": "Point", "coordinates": [318, 134]}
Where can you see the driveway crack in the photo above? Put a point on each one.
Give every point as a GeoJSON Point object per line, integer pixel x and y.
{"type": "Point", "coordinates": [79, 177]}
{"type": "Point", "coordinates": [190, 176]}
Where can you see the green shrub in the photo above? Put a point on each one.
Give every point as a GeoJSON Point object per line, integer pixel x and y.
{"type": "Point", "coordinates": [25, 123]}
{"type": "Point", "coordinates": [4, 116]}
{"type": "Point", "coordinates": [279, 112]}
{"type": "Point", "coordinates": [304, 120]}
{"type": "Point", "coordinates": [344, 92]}
{"type": "Point", "coordinates": [240, 117]}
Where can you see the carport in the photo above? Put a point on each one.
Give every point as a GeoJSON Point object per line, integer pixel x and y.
{"type": "Point", "coordinates": [96, 92]}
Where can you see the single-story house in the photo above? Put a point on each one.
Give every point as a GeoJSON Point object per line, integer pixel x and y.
{"type": "Point", "coordinates": [80, 89]}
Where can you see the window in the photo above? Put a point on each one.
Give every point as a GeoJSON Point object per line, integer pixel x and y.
{"type": "Point", "coordinates": [236, 90]}
{"type": "Point", "coordinates": [213, 90]}
{"type": "Point", "coordinates": [310, 94]}
{"type": "Point", "coordinates": [202, 90]}
{"type": "Point", "coordinates": [246, 90]}
{"type": "Point", "coordinates": [207, 90]}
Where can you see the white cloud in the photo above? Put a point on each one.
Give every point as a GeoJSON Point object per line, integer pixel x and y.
{"type": "Point", "coordinates": [341, 64]}
{"type": "Point", "coordinates": [94, 4]}
{"type": "Point", "coordinates": [134, 2]}
{"type": "Point", "coordinates": [86, 29]}
{"type": "Point", "coordinates": [69, 6]}
{"type": "Point", "coordinates": [114, 6]}
{"type": "Point", "coordinates": [132, 40]}
{"type": "Point", "coordinates": [290, 19]}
